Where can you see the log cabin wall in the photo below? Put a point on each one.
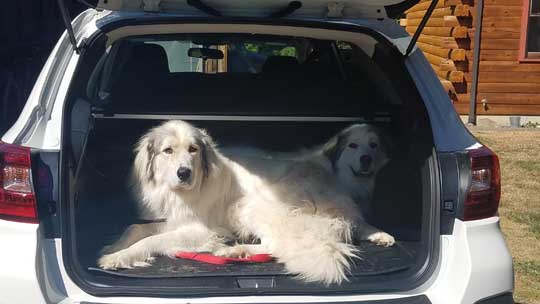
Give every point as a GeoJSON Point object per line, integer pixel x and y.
{"type": "Point", "coordinates": [506, 85]}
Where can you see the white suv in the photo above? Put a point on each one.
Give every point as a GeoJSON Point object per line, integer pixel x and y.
{"type": "Point", "coordinates": [291, 75]}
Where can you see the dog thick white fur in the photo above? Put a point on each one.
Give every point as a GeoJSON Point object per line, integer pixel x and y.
{"type": "Point", "coordinates": [303, 216]}
{"type": "Point", "coordinates": [356, 154]}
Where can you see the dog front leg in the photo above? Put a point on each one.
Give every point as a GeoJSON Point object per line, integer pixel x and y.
{"type": "Point", "coordinates": [142, 252]}
{"type": "Point", "coordinates": [133, 234]}
{"type": "Point", "coordinates": [366, 232]}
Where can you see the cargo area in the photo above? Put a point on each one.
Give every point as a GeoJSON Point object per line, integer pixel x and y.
{"type": "Point", "coordinates": [276, 93]}
{"type": "Point", "coordinates": [105, 194]}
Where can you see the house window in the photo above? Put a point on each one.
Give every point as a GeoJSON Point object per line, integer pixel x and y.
{"type": "Point", "coordinates": [530, 31]}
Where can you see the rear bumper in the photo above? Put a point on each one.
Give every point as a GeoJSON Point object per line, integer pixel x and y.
{"type": "Point", "coordinates": [475, 267]}
{"type": "Point", "coordinates": [19, 279]}
{"type": "Point", "coordinates": [476, 264]}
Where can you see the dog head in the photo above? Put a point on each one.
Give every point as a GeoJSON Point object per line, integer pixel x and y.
{"type": "Point", "coordinates": [360, 150]}
{"type": "Point", "coordinates": [175, 154]}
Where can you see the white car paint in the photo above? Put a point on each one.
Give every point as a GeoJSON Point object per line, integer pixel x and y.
{"type": "Point", "coordinates": [18, 263]}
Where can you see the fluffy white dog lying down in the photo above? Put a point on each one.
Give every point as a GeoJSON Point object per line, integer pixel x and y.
{"type": "Point", "coordinates": [303, 216]}
{"type": "Point", "coordinates": [355, 155]}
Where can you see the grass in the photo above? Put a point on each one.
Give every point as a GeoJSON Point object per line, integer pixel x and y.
{"type": "Point", "coordinates": [532, 220]}
{"type": "Point", "coordinates": [529, 165]}
{"type": "Point", "coordinates": [519, 155]}
{"type": "Point", "coordinates": [528, 267]}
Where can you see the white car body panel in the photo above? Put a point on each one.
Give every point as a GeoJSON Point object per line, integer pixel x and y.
{"type": "Point", "coordinates": [19, 281]}
{"type": "Point", "coordinates": [51, 138]}
{"type": "Point", "coordinates": [466, 277]}
{"type": "Point", "coordinates": [490, 257]}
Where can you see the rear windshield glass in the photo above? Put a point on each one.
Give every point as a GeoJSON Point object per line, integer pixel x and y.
{"type": "Point", "coordinates": [243, 73]}
{"type": "Point", "coordinates": [213, 55]}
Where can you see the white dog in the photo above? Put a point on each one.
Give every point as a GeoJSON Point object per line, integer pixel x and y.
{"type": "Point", "coordinates": [336, 177]}
{"type": "Point", "coordinates": [304, 217]}
{"type": "Point", "coordinates": [355, 155]}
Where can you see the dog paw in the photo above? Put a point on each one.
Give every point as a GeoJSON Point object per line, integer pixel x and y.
{"type": "Point", "coordinates": [382, 239]}
{"type": "Point", "coordinates": [120, 260]}
{"type": "Point", "coordinates": [237, 251]}
{"type": "Point", "coordinates": [146, 263]}
{"type": "Point", "coordinates": [113, 261]}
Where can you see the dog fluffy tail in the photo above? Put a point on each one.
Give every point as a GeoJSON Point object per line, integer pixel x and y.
{"type": "Point", "coordinates": [318, 249]}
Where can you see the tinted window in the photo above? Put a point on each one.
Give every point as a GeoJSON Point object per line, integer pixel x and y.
{"type": "Point", "coordinates": [533, 35]}
{"type": "Point", "coordinates": [533, 30]}
{"type": "Point", "coordinates": [239, 57]}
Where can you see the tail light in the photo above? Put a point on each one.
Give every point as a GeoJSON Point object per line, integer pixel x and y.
{"type": "Point", "coordinates": [17, 199]}
{"type": "Point", "coordinates": [485, 189]}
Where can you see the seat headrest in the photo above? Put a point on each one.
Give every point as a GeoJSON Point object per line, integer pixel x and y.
{"type": "Point", "coordinates": [281, 64]}
{"type": "Point", "coordinates": [148, 58]}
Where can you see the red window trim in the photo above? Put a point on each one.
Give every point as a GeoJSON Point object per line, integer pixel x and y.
{"type": "Point", "coordinates": [522, 56]}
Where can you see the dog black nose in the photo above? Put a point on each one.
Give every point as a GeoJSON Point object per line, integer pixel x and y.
{"type": "Point", "coordinates": [365, 160]}
{"type": "Point", "coordinates": [183, 173]}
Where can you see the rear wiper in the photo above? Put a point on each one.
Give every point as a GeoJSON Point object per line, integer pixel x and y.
{"type": "Point", "coordinates": [286, 11]}
{"type": "Point", "coordinates": [204, 8]}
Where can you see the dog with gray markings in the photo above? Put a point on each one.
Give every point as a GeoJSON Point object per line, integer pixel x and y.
{"type": "Point", "coordinates": [304, 213]}
{"type": "Point", "coordinates": [347, 164]}
{"type": "Point", "coordinates": [355, 155]}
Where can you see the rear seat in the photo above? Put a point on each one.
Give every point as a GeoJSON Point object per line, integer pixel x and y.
{"type": "Point", "coordinates": [283, 86]}
{"type": "Point", "coordinates": [146, 69]}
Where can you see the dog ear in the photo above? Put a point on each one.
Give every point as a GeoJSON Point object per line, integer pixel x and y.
{"type": "Point", "coordinates": [209, 158]}
{"type": "Point", "coordinates": [333, 148]}
{"type": "Point", "coordinates": [145, 153]}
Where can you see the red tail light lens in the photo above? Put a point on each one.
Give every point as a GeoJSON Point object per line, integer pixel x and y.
{"type": "Point", "coordinates": [485, 190]}
{"type": "Point", "coordinates": [17, 199]}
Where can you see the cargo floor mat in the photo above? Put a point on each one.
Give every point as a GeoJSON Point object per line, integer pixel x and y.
{"type": "Point", "coordinates": [374, 260]}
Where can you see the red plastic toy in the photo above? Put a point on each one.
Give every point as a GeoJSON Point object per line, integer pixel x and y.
{"type": "Point", "coordinates": [218, 260]}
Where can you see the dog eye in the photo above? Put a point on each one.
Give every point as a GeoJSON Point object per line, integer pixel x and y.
{"type": "Point", "coordinates": [192, 149]}
{"type": "Point", "coordinates": [168, 150]}
{"type": "Point", "coordinates": [373, 145]}
{"type": "Point", "coordinates": [353, 145]}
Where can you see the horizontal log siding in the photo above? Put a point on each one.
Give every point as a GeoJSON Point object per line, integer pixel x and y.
{"type": "Point", "coordinates": [508, 86]}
